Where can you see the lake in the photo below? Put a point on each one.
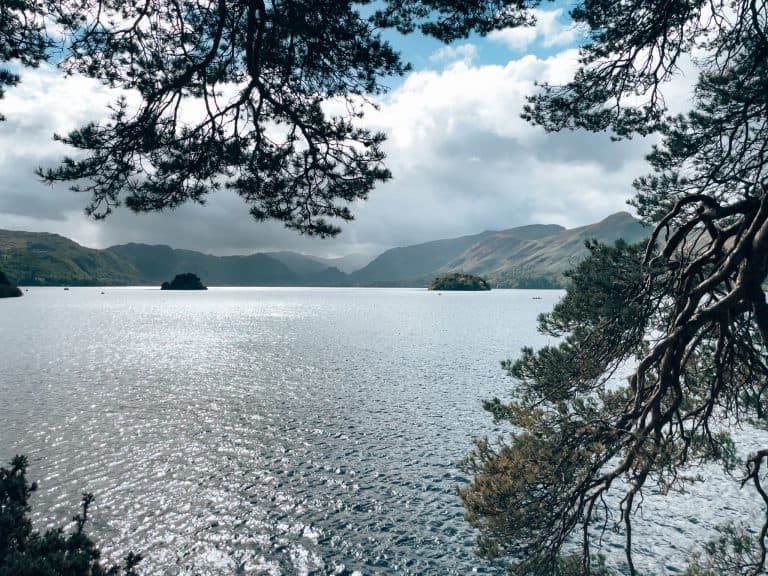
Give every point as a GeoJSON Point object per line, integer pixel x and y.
{"type": "Point", "coordinates": [279, 430]}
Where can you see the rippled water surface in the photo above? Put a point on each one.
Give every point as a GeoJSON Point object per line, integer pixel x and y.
{"type": "Point", "coordinates": [274, 431]}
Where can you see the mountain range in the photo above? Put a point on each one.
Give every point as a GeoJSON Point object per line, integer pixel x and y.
{"type": "Point", "coordinates": [534, 256]}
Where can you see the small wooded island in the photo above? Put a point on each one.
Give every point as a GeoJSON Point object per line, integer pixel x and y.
{"type": "Point", "coordinates": [186, 281]}
{"type": "Point", "coordinates": [7, 289]}
{"type": "Point", "coordinates": [459, 282]}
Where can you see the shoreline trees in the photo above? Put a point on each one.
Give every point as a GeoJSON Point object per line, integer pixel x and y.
{"type": "Point", "coordinates": [459, 281]}
{"type": "Point", "coordinates": [687, 311]}
{"type": "Point", "coordinates": [7, 288]}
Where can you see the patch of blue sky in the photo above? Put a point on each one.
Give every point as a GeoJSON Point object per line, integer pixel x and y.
{"type": "Point", "coordinates": [555, 31]}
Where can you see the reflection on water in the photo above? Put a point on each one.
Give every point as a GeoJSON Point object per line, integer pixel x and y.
{"type": "Point", "coordinates": [273, 431]}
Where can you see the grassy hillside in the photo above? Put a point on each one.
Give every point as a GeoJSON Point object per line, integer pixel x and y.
{"type": "Point", "coordinates": [417, 265]}
{"type": "Point", "coordinates": [320, 271]}
{"type": "Point", "coordinates": [157, 264]}
{"type": "Point", "coordinates": [501, 249]}
{"type": "Point", "coordinates": [299, 263]}
{"type": "Point", "coordinates": [541, 263]}
{"type": "Point", "coordinates": [30, 258]}
{"type": "Point", "coordinates": [533, 256]}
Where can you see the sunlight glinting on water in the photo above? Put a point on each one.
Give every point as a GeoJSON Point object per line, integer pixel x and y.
{"type": "Point", "coordinates": [279, 431]}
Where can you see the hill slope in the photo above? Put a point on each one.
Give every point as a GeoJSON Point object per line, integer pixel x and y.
{"type": "Point", "coordinates": [321, 271]}
{"type": "Point", "coordinates": [418, 264]}
{"type": "Point", "coordinates": [307, 264]}
{"type": "Point", "coordinates": [157, 264]}
{"type": "Point", "coordinates": [542, 262]}
{"type": "Point", "coordinates": [32, 258]}
{"type": "Point", "coordinates": [532, 256]}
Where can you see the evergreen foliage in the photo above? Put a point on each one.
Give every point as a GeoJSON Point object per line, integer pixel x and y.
{"type": "Point", "coordinates": [56, 552]}
{"type": "Point", "coordinates": [732, 553]}
{"type": "Point", "coordinates": [458, 281]}
{"type": "Point", "coordinates": [233, 94]}
{"type": "Point", "coordinates": [687, 310]}
{"type": "Point", "coordinates": [683, 315]}
{"type": "Point", "coordinates": [186, 281]}
{"type": "Point", "coordinates": [7, 289]}
{"type": "Point", "coordinates": [22, 38]}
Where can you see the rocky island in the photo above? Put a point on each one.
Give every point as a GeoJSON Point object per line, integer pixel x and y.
{"type": "Point", "coordinates": [459, 282]}
{"type": "Point", "coordinates": [186, 281]}
{"type": "Point", "coordinates": [7, 289]}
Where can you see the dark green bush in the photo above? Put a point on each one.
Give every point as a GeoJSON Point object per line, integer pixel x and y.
{"type": "Point", "coordinates": [57, 552]}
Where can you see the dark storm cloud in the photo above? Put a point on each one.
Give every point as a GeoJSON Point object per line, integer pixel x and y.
{"type": "Point", "coordinates": [39, 107]}
{"type": "Point", "coordinates": [22, 194]}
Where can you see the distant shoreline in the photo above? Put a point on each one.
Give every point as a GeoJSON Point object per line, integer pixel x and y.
{"type": "Point", "coordinates": [534, 256]}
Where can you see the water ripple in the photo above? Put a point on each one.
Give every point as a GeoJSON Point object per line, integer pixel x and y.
{"type": "Point", "coordinates": [272, 431]}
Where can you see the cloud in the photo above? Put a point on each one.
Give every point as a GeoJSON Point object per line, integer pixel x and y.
{"type": "Point", "coordinates": [43, 104]}
{"type": "Point", "coordinates": [550, 31]}
{"type": "Point", "coordinates": [463, 160]}
{"type": "Point", "coordinates": [466, 53]}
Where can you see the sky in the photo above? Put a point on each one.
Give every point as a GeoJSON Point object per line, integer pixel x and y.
{"type": "Point", "coordinates": [463, 160]}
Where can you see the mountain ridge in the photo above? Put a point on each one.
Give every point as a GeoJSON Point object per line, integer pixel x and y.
{"type": "Point", "coordinates": [531, 256]}
{"type": "Point", "coordinates": [156, 262]}
{"type": "Point", "coordinates": [413, 262]}
{"type": "Point", "coordinates": [42, 258]}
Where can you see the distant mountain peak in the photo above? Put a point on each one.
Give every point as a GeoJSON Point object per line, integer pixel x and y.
{"type": "Point", "coordinates": [534, 255]}
{"type": "Point", "coordinates": [622, 216]}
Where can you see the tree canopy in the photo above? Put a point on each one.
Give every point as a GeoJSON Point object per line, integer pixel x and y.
{"type": "Point", "coordinates": [686, 312]}
{"type": "Point", "coordinates": [459, 281]}
{"type": "Point", "coordinates": [7, 289]}
{"type": "Point", "coordinates": [261, 97]}
{"type": "Point", "coordinates": [239, 93]}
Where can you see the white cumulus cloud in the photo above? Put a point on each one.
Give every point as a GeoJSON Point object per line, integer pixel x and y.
{"type": "Point", "coordinates": [463, 161]}
{"type": "Point", "coordinates": [551, 30]}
